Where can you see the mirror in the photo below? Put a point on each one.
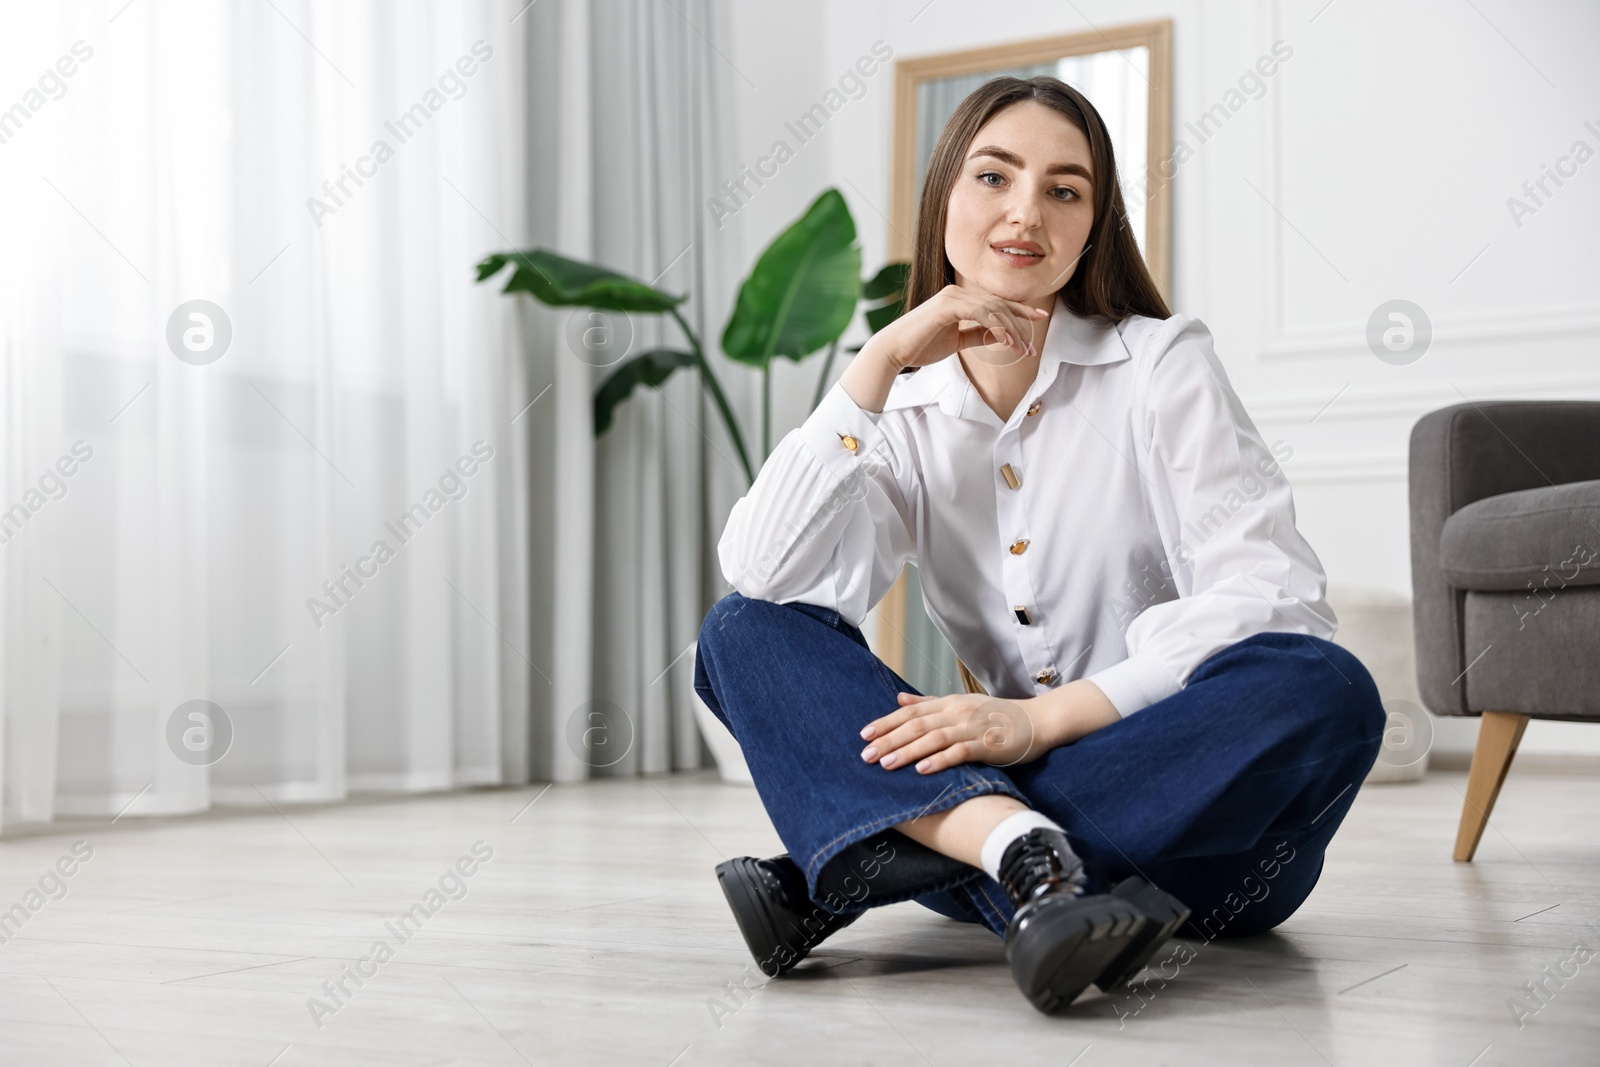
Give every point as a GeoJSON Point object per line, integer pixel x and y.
{"type": "Point", "coordinates": [1126, 72]}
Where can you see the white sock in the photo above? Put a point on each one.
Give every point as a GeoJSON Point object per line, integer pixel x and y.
{"type": "Point", "coordinates": [1011, 828]}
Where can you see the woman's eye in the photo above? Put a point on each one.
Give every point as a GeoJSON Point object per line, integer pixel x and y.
{"type": "Point", "coordinates": [1072, 194]}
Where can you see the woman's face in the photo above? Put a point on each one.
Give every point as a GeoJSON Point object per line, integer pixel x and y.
{"type": "Point", "coordinates": [1027, 182]}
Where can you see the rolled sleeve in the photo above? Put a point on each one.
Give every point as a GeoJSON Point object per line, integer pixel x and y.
{"type": "Point", "coordinates": [836, 420]}
{"type": "Point", "coordinates": [825, 521]}
{"type": "Point", "coordinates": [1136, 683]}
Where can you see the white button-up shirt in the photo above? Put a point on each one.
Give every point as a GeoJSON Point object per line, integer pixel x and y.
{"type": "Point", "coordinates": [1148, 527]}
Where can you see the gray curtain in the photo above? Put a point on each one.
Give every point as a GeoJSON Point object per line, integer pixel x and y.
{"type": "Point", "coordinates": [628, 140]}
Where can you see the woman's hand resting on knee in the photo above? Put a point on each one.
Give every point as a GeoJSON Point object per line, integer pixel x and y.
{"type": "Point", "coordinates": [935, 732]}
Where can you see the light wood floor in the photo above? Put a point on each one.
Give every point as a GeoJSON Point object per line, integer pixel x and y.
{"type": "Point", "coordinates": [596, 934]}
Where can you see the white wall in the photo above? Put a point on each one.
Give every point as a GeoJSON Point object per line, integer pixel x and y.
{"type": "Point", "coordinates": [1377, 165]}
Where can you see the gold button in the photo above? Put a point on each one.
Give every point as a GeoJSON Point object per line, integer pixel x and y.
{"type": "Point", "coordinates": [1033, 408]}
{"type": "Point", "coordinates": [1046, 676]}
{"type": "Point", "coordinates": [1010, 475]}
{"type": "Point", "coordinates": [848, 441]}
{"type": "Point", "coordinates": [1024, 616]}
{"type": "Point", "coordinates": [1019, 546]}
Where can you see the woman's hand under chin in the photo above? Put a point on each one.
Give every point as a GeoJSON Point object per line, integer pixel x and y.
{"type": "Point", "coordinates": [936, 732]}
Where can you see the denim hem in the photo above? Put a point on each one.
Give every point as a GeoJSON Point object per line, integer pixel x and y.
{"type": "Point", "coordinates": [869, 902]}
{"type": "Point", "coordinates": [997, 913]}
{"type": "Point", "coordinates": [941, 803]}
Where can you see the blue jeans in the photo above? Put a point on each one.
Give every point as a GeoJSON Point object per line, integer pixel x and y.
{"type": "Point", "coordinates": [1224, 794]}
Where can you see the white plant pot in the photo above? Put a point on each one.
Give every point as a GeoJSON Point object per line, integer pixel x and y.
{"type": "Point", "coordinates": [724, 746]}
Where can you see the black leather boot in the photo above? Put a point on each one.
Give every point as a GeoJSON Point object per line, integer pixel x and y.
{"type": "Point", "coordinates": [1059, 941]}
{"type": "Point", "coordinates": [1165, 912]}
{"type": "Point", "coordinates": [779, 920]}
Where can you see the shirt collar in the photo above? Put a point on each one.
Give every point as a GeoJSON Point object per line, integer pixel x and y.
{"type": "Point", "coordinates": [1070, 339]}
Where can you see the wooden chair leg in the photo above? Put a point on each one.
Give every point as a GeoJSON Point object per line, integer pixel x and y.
{"type": "Point", "coordinates": [1498, 736]}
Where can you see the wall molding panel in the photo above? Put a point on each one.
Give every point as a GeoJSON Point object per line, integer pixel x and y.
{"type": "Point", "coordinates": [1409, 403]}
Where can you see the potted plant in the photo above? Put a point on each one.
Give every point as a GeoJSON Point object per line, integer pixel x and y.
{"type": "Point", "coordinates": [798, 299]}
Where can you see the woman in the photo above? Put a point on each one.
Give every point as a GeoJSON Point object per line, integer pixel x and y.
{"type": "Point", "coordinates": [1166, 736]}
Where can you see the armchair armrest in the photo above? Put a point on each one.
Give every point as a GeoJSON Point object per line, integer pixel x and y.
{"type": "Point", "coordinates": [1461, 454]}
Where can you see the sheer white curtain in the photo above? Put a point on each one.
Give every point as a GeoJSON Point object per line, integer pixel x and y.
{"type": "Point", "coordinates": [181, 526]}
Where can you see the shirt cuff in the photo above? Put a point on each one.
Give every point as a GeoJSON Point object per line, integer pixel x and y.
{"type": "Point", "coordinates": [1135, 683]}
{"type": "Point", "coordinates": [840, 433]}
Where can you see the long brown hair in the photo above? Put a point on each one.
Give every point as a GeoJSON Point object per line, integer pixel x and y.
{"type": "Point", "coordinates": [1111, 281]}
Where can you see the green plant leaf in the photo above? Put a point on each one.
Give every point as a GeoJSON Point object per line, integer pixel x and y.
{"type": "Point", "coordinates": [879, 317]}
{"type": "Point", "coordinates": [803, 290]}
{"type": "Point", "coordinates": [561, 282]}
{"type": "Point", "coordinates": [648, 368]}
{"type": "Point", "coordinates": [888, 285]}
{"type": "Point", "coordinates": [890, 281]}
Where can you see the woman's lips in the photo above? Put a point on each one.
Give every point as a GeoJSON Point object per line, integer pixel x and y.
{"type": "Point", "coordinates": [1019, 261]}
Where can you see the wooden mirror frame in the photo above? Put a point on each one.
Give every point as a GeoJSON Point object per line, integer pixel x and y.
{"type": "Point", "coordinates": [890, 639]}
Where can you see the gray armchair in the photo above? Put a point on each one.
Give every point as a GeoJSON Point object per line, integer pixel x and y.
{"type": "Point", "coordinates": [1505, 575]}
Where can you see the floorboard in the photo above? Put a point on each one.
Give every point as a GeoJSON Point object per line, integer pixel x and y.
{"type": "Point", "coordinates": [596, 934]}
